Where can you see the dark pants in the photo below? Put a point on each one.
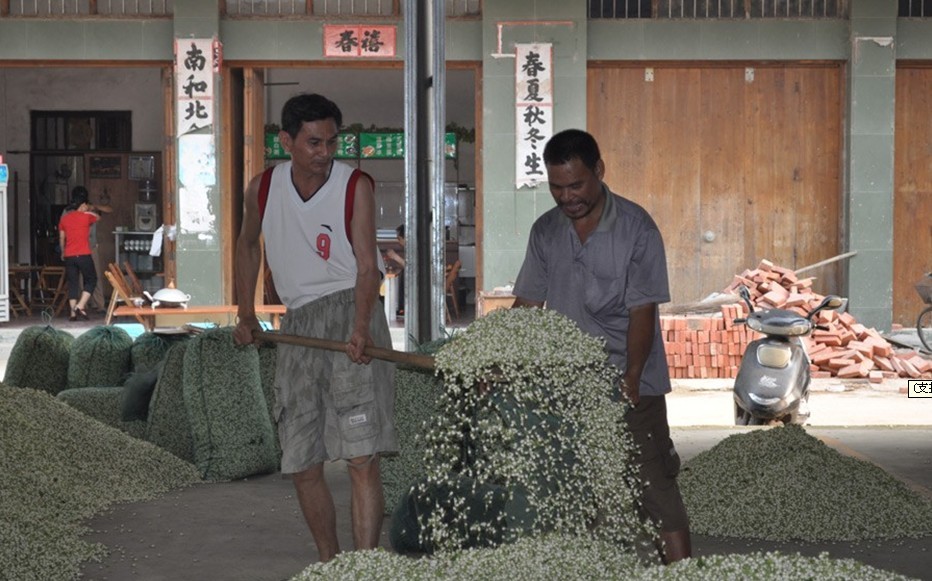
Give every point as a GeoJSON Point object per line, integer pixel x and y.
{"type": "Point", "coordinates": [76, 268]}
{"type": "Point", "coordinates": [659, 463]}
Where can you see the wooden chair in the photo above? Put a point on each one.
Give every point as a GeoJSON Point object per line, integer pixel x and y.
{"type": "Point", "coordinates": [135, 286]}
{"type": "Point", "coordinates": [453, 272]}
{"type": "Point", "coordinates": [19, 283]}
{"type": "Point", "coordinates": [51, 290]}
{"type": "Point", "coordinates": [122, 292]}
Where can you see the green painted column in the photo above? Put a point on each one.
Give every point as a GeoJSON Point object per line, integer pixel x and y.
{"type": "Point", "coordinates": [197, 181]}
{"type": "Point", "coordinates": [509, 212]}
{"type": "Point", "coordinates": [872, 100]}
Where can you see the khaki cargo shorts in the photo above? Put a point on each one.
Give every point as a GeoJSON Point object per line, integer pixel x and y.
{"type": "Point", "coordinates": [659, 463]}
{"type": "Point", "coordinates": [329, 408]}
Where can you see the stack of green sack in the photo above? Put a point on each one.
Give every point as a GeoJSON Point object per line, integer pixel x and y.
{"type": "Point", "coordinates": [231, 428]}
{"type": "Point", "coordinates": [99, 363]}
{"type": "Point", "coordinates": [204, 399]}
{"type": "Point", "coordinates": [39, 359]}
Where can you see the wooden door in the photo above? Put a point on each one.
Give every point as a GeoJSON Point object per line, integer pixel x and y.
{"type": "Point", "coordinates": [912, 224]}
{"type": "Point", "coordinates": [735, 164]}
{"type": "Point", "coordinates": [248, 96]}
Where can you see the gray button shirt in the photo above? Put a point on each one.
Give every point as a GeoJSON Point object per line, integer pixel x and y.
{"type": "Point", "coordinates": [622, 265]}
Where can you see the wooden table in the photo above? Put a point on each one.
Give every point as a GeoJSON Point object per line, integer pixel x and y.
{"type": "Point", "coordinates": [490, 301]}
{"type": "Point", "coordinates": [147, 315]}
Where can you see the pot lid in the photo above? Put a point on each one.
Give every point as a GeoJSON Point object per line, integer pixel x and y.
{"type": "Point", "coordinates": [171, 295]}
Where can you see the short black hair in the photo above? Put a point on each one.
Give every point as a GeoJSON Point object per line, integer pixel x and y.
{"type": "Point", "coordinates": [400, 231]}
{"type": "Point", "coordinates": [572, 144]}
{"type": "Point", "coordinates": [306, 107]}
{"type": "Point", "coordinates": [79, 195]}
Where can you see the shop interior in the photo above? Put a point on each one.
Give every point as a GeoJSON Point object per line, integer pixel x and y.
{"type": "Point", "coordinates": [110, 151]}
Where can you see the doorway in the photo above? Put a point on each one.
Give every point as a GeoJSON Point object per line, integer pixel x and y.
{"type": "Point", "coordinates": [372, 101]}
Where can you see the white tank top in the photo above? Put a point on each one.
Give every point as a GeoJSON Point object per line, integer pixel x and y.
{"type": "Point", "coordinates": [307, 243]}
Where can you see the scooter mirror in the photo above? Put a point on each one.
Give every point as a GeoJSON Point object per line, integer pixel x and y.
{"type": "Point", "coordinates": [833, 302]}
{"type": "Point", "coordinates": [745, 295]}
{"type": "Point", "coordinates": [829, 302]}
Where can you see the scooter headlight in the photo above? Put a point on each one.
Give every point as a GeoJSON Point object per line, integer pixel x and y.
{"type": "Point", "coordinates": [764, 401]}
{"type": "Point", "coordinates": [777, 356]}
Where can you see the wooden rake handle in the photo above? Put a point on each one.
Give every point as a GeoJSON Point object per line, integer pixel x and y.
{"type": "Point", "coordinates": [413, 359]}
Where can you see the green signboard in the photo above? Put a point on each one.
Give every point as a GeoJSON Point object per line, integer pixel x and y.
{"type": "Point", "coordinates": [347, 146]}
{"type": "Point", "coordinates": [449, 146]}
{"type": "Point", "coordinates": [362, 146]}
{"type": "Point", "coordinates": [381, 145]}
{"type": "Point", "coordinates": [273, 147]}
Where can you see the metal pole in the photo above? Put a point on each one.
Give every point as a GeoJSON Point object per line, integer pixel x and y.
{"type": "Point", "coordinates": [424, 170]}
{"type": "Point", "coordinates": [438, 167]}
{"type": "Point", "coordinates": [412, 60]}
{"type": "Point", "coordinates": [424, 312]}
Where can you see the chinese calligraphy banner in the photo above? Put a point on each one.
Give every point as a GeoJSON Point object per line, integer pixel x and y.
{"type": "Point", "coordinates": [533, 110]}
{"type": "Point", "coordinates": [195, 63]}
{"type": "Point", "coordinates": [359, 41]}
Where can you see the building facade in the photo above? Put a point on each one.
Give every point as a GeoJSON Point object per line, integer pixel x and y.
{"type": "Point", "coordinates": [749, 133]}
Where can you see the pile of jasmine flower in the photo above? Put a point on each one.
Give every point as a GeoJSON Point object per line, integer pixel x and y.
{"type": "Point", "coordinates": [59, 467]}
{"type": "Point", "coordinates": [782, 484]}
{"type": "Point", "coordinates": [583, 558]}
{"type": "Point", "coordinates": [526, 423]}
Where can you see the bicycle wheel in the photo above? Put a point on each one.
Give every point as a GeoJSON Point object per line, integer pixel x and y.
{"type": "Point", "coordinates": [924, 328]}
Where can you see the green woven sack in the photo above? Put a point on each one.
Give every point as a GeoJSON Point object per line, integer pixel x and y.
{"type": "Point", "coordinates": [39, 359]}
{"type": "Point", "coordinates": [149, 349]}
{"type": "Point", "coordinates": [229, 417]}
{"type": "Point", "coordinates": [416, 392]}
{"type": "Point", "coordinates": [100, 357]}
{"type": "Point", "coordinates": [168, 426]}
{"type": "Point", "coordinates": [104, 404]}
{"type": "Point", "coordinates": [483, 503]}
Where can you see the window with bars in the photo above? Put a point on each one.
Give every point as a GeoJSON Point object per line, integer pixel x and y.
{"type": "Point", "coordinates": [454, 8]}
{"type": "Point", "coordinates": [69, 8]}
{"type": "Point", "coordinates": [55, 131]}
{"type": "Point", "coordinates": [736, 9]}
{"type": "Point", "coordinates": [915, 9]}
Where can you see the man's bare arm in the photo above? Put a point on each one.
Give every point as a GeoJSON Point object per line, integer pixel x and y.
{"type": "Point", "coordinates": [640, 341]}
{"type": "Point", "coordinates": [248, 259]}
{"type": "Point", "coordinates": [368, 276]}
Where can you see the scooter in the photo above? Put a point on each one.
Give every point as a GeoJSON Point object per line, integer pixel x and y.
{"type": "Point", "coordinates": [773, 380]}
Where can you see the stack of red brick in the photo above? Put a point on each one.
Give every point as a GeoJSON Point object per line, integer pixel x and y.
{"type": "Point", "coordinates": [708, 346]}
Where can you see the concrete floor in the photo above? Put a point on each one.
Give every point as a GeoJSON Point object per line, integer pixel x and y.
{"type": "Point", "coordinates": [252, 530]}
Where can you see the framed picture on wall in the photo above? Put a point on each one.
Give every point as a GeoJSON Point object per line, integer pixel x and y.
{"type": "Point", "coordinates": [108, 167]}
{"type": "Point", "coordinates": [141, 167]}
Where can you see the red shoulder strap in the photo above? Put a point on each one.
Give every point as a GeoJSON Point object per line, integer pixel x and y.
{"type": "Point", "coordinates": [264, 185]}
{"type": "Point", "coordinates": [351, 199]}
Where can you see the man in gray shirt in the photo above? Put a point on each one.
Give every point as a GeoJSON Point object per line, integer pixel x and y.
{"type": "Point", "coordinates": [599, 259]}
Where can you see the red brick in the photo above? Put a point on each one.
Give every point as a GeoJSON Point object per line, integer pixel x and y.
{"type": "Point", "coordinates": [841, 362]}
{"type": "Point", "coordinates": [850, 371]}
{"type": "Point", "coordinates": [884, 363]}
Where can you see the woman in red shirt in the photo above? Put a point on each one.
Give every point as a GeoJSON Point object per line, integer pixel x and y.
{"type": "Point", "coordinates": [74, 235]}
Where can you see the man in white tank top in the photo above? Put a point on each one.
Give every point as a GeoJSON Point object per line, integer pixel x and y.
{"type": "Point", "coordinates": [317, 216]}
